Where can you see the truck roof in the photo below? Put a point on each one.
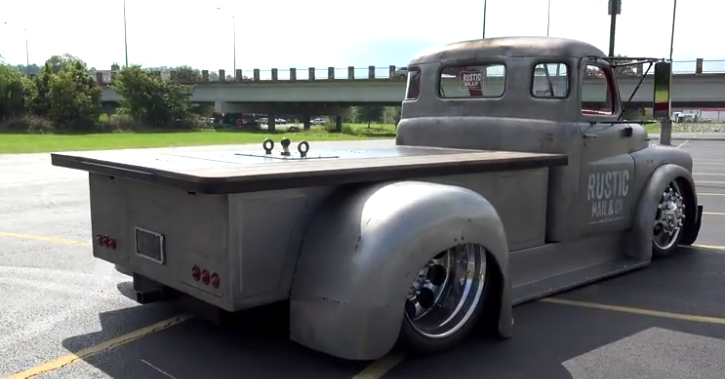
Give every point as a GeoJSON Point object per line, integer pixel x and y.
{"type": "Point", "coordinates": [543, 47]}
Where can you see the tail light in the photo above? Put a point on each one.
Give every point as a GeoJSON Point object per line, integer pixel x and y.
{"type": "Point", "coordinates": [206, 277]}
{"type": "Point", "coordinates": [106, 241]}
{"type": "Point", "coordinates": [196, 273]}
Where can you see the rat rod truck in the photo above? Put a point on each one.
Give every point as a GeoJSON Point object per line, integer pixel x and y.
{"type": "Point", "coordinates": [512, 177]}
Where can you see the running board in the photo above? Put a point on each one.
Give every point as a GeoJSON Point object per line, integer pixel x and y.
{"type": "Point", "coordinates": [564, 282]}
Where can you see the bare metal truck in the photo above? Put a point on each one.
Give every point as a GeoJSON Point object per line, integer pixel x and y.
{"type": "Point", "coordinates": [512, 177]}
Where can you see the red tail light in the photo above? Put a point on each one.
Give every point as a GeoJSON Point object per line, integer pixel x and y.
{"type": "Point", "coordinates": [215, 281]}
{"type": "Point", "coordinates": [106, 241]}
{"type": "Point", "coordinates": [196, 273]}
{"type": "Point", "coordinates": [205, 277]}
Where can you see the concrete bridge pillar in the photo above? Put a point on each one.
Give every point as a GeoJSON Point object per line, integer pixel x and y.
{"type": "Point", "coordinates": [271, 122]}
{"type": "Point", "coordinates": [306, 123]}
{"type": "Point", "coordinates": [338, 123]}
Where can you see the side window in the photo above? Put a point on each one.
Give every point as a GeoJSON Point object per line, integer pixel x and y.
{"type": "Point", "coordinates": [412, 89]}
{"type": "Point", "coordinates": [597, 91]}
{"type": "Point", "coordinates": [550, 80]}
{"type": "Point", "coordinates": [477, 81]}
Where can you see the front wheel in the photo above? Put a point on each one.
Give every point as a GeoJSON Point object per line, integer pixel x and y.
{"type": "Point", "coordinates": [668, 220]}
{"type": "Point", "coordinates": [445, 300]}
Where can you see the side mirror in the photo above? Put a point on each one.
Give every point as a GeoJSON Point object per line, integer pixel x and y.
{"type": "Point", "coordinates": [662, 90]}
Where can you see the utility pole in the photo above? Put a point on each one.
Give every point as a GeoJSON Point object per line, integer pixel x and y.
{"type": "Point", "coordinates": [615, 8]}
{"type": "Point", "coordinates": [672, 36]}
{"type": "Point", "coordinates": [27, 51]}
{"type": "Point", "coordinates": [548, 19]}
{"type": "Point", "coordinates": [125, 35]}
{"type": "Point", "coordinates": [484, 18]}
{"type": "Point", "coordinates": [27, 54]}
{"type": "Point", "coordinates": [234, 41]}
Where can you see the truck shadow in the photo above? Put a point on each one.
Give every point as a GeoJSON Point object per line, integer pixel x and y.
{"type": "Point", "coordinates": [253, 344]}
{"type": "Point", "coordinates": [548, 337]}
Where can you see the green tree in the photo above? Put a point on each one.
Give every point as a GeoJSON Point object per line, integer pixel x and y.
{"type": "Point", "coordinates": [188, 74]}
{"type": "Point", "coordinates": [151, 99]}
{"type": "Point", "coordinates": [15, 92]}
{"type": "Point", "coordinates": [368, 114]}
{"type": "Point", "coordinates": [58, 62]}
{"type": "Point", "coordinates": [74, 97]}
{"type": "Point", "coordinates": [41, 101]}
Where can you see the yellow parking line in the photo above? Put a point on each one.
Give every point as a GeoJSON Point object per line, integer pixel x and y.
{"type": "Point", "coordinates": [97, 349]}
{"type": "Point", "coordinates": [377, 369]}
{"type": "Point", "coordinates": [637, 311]}
{"type": "Point", "coordinates": [714, 213]}
{"type": "Point", "coordinates": [42, 238]}
{"type": "Point", "coordinates": [712, 247]}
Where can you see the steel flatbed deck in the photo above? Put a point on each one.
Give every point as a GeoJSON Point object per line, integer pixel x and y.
{"type": "Point", "coordinates": [247, 171]}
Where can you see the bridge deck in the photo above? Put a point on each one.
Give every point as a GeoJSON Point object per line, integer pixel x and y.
{"type": "Point", "coordinates": [247, 171]}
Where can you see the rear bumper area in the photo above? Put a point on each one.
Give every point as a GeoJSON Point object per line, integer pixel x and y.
{"type": "Point", "coordinates": [192, 233]}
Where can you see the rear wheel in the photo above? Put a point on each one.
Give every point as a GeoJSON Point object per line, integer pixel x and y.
{"type": "Point", "coordinates": [445, 300]}
{"type": "Point", "coordinates": [668, 220]}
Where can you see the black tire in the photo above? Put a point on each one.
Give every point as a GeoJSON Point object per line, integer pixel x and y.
{"type": "Point", "coordinates": [414, 340]}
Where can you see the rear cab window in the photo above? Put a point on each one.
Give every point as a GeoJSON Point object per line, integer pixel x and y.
{"type": "Point", "coordinates": [472, 81]}
{"type": "Point", "coordinates": [598, 97]}
{"type": "Point", "coordinates": [550, 81]}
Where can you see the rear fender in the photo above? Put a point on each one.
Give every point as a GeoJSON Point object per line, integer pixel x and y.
{"type": "Point", "coordinates": [362, 251]}
{"type": "Point", "coordinates": [641, 247]}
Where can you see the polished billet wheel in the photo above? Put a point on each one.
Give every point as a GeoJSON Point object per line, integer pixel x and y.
{"type": "Point", "coordinates": [447, 292]}
{"type": "Point", "coordinates": [669, 219]}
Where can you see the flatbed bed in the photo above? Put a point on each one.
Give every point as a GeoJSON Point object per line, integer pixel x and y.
{"type": "Point", "coordinates": [248, 170]}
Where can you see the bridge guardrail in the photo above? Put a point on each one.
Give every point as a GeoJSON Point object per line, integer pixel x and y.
{"type": "Point", "coordinates": [392, 72]}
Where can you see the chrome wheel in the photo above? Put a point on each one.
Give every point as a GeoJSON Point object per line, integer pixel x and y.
{"type": "Point", "coordinates": [670, 216]}
{"type": "Point", "coordinates": [447, 291]}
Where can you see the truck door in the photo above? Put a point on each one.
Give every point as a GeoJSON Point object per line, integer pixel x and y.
{"type": "Point", "coordinates": [607, 169]}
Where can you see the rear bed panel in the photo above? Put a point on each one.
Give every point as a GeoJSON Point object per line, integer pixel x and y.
{"type": "Point", "coordinates": [194, 227]}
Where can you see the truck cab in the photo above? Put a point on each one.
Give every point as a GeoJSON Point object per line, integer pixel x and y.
{"type": "Point", "coordinates": [543, 95]}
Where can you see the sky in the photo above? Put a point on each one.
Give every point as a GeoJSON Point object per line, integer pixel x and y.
{"type": "Point", "coordinates": [323, 33]}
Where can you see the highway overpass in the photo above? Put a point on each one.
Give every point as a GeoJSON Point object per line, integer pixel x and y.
{"type": "Point", "coordinates": [385, 86]}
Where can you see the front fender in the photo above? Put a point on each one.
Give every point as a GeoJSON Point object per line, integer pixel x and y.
{"type": "Point", "coordinates": [641, 248]}
{"type": "Point", "coordinates": [362, 251]}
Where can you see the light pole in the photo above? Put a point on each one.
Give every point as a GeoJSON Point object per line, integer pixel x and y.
{"type": "Point", "coordinates": [234, 41]}
{"type": "Point", "coordinates": [548, 18]}
{"type": "Point", "coordinates": [125, 36]}
{"type": "Point", "coordinates": [484, 18]}
{"type": "Point", "coordinates": [672, 37]}
{"type": "Point", "coordinates": [27, 51]}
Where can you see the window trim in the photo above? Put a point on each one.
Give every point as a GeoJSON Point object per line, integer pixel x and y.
{"type": "Point", "coordinates": [609, 77]}
{"type": "Point", "coordinates": [419, 73]}
{"type": "Point", "coordinates": [471, 64]}
{"type": "Point", "coordinates": [568, 79]}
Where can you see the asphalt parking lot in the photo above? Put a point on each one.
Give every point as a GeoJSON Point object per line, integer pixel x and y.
{"type": "Point", "coordinates": [65, 314]}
